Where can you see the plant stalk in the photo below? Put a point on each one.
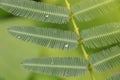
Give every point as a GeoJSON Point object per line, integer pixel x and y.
{"type": "Point", "coordinates": [76, 29]}
{"type": "Point", "coordinates": [81, 42]}
{"type": "Point", "coordinates": [85, 53]}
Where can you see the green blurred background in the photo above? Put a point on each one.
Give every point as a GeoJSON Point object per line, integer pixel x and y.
{"type": "Point", "coordinates": [13, 51]}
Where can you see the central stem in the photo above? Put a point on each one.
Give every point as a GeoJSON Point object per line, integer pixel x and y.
{"type": "Point", "coordinates": [75, 26]}
{"type": "Point", "coordinates": [72, 18]}
{"type": "Point", "coordinates": [76, 29]}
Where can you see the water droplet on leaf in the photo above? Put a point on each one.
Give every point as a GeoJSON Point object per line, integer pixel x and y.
{"type": "Point", "coordinates": [46, 16]}
{"type": "Point", "coordinates": [18, 37]}
{"type": "Point", "coordinates": [66, 45]}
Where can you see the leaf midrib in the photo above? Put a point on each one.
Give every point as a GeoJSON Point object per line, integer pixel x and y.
{"type": "Point", "coordinates": [55, 66]}
{"type": "Point", "coordinates": [101, 35]}
{"type": "Point", "coordinates": [46, 37]}
{"type": "Point", "coordinates": [35, 10]}
{"type": "Point", "coordinates": [93, 7]}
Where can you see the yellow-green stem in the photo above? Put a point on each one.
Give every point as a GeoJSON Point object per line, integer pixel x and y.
{"type": "Point", "coordinates": [81, 43]}
{"type": "Point", "coordinates": [91, 72]}
{"type": "Point", "coordinates": [85, 53]}
{"type": "Point", "coordinates": [75, 26]}
{"type": "Point", "coordinates": [68, 4]}
{"type": "Point", "coordinates": [76, 29]}
{"type": "Point", "coordinates": [92, 76]}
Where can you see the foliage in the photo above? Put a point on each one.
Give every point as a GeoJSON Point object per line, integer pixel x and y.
{"type": "Point", "coordinates": [67, 67]}
{"type": "Point", "coordinates": [84, 11]}
{"type": "Point", "coordinates": [104, 36]}
{"type": "Point", "coordinates": [46, 12]}
{"type": "Point", "coordinates": [46, 37]}
{"type": "Point", "coordinates": [106, 59]}
{"type": "Point", "coordinates": [114, 77]}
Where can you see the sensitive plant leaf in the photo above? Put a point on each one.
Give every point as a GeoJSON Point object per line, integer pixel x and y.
{"type": "Point", "coordinates": [58, 66]}
{"type": "Point", "coordinates": [51, 38]}
{"type": "Point", "coordinates": [102, 36]}
{"type": "Point", "coordinates": [90, 9]}
{"type": "Point", "coordinates": [106, 59]}
{"type": "Point", "coordinates": [37, 11]}
{"type": "Point", "coordinates": [114, 77]}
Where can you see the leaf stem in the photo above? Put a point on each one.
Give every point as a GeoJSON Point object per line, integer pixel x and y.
{"type": "Point", "coordinates": [72, 18]}
{"type": "Point", "coordinates": [85, 53]}
{"type": "Point", "coordinates": [92, 76]}
{"type": "Point", "coordinates": [90, 68]}
{"type": "Point", "coordinates": [75, 26]}
{"type": "Point", "coordinates": [77, 30]}
{"type": "Point", "coordinates": [68, 5]}
{"type": "Point", "coordinates": [81, 42]}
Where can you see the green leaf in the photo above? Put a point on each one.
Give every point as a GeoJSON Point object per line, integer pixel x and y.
{"type": "Point", "coordinates": [90, 9]}
{"type": "Point", "coordinates": [102, 36]}
{"type": "Point", "coordinates": [114, 77]}
{"type": "Point", "coordinates": [106, 59]}
{"type": "Point", "coordinates": [37, 11]}
{"type": "Point", "coordinates": [67, 66]}
{"type": "Point", "coordinates": [51, 38]}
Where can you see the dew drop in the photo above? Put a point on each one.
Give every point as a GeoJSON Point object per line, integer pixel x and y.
{"type": "Point", "coordinates": [46, 16]}
{"type": "Point", "coordinates": [66, 45]}
{"type": "Point", "coordinates": [18, 37]}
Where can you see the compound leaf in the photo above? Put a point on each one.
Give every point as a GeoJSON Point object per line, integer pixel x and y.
{"type": "Point", "coordinates": [51, 38]}
{"type": "Point", "coordinates": [58, 66]}
{"type": "Point", "coordinates": [102, 36]}
{"type": "Point", "coordinates": [106, 59]}
{"type": "Point", "coordinates": [90, 9]}
{"type": "Point", "coordinates": [37, 11]}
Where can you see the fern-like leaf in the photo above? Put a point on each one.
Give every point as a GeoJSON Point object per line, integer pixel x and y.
{"type": "Point", "coordinates": [102, 36]}
{"type": "Point", "coordinates": [37, 11]}
{"type": "Point", "coordinates": [90, 9]}
{"type": "Point", "coordinates": [114, 77]}
{"type": "Point", "coordinates": [67, 66]}
{"type": "Point", "coordinates": [106, 59]}
{"type": "Point", "coordinates": [51, 38]}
